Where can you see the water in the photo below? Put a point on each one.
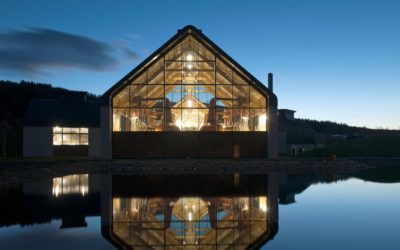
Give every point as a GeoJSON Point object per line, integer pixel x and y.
{"type": "Point", "coordinates": [274, 211]}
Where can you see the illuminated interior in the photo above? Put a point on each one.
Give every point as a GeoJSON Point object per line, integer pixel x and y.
{"type": "Point", "coordinates": [71, 184]}
{"type": "Point", "coordinates": [70, 136]}
{"type": "Point", "coordinates": [189, 89]}
{"type": "Point", "coordinates": [190, 222]}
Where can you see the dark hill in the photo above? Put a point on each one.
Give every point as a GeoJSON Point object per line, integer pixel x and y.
{"type": "Point", "coordinates": [14, 101]}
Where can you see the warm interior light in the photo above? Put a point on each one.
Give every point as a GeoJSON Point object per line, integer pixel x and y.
{"type": "Point", "coordinates": [263, 203]}
{"type": "Point", "coordinates": [189, 66]}
{"type": "Point", "coordinates": [262, 122]}
{"type": "Point", "coordinates": [189, 57]}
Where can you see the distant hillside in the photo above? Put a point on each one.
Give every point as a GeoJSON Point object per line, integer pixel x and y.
{"type": "Point", "coordinates": [368, 146]}
{"type": "Point", "coordinates": [15, 97]}
{"type": "Point", "coordinates": [14, 101]}
{"type": "Point", "coordinates": [331, 128]}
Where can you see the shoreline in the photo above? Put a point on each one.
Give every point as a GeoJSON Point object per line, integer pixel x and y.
{"type": "Point", "coordinates": [13, 174]}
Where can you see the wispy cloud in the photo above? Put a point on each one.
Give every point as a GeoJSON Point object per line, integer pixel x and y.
{"type": "Point", "coordinates": [37, 50]}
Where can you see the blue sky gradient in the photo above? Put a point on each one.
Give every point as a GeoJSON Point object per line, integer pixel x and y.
{"type": "Point", "coordinates": [332, 60]}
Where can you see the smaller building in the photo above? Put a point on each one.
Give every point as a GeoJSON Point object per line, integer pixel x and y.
{"type": "Point", "coordinates": [294, 136]}
{"type": "Point", "coordinates": [61, 128]}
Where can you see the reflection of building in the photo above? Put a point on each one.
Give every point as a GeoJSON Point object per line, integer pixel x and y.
{"type": "Point", "coordinates": [225, 210]}
{"type": "Point", "coordinates": [70, 198]}
{"type": "Point", "coordinates": [231, 212]}
{"type": "Point", "coordinates": [294, 136]}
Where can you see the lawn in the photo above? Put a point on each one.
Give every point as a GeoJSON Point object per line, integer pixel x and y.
{"type": "Point", "coordinates": [370, 146]}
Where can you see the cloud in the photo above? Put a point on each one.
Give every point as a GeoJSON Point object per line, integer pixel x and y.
{"type": "Point", "coordinates": [37, 50]}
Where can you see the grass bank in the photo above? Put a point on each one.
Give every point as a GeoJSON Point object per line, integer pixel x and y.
{"type": "Point", "coordinates": [371, 146]}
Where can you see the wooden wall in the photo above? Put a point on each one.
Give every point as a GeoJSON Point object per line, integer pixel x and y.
{"type": "Point", "coordinates": [189, 144]}
{"type": "Point", "coordinates": [71, 150]}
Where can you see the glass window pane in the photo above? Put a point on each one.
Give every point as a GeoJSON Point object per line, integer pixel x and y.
{"type": "Point", "coordinates": [84, 130]}
{"type": "Point", "coordinates": [155, 74]}
{"type": "Point", "coordinates": [57, 129]}
{"type": "Point", "coordinates": [236, 79]}
{"type": "Point", "coordinates": [173, 96]}
{"type": "Point", "coordinates": [155, 96]}
{"type": "Point", "coordinates": [224, 73]}
{"type": "Point", "coordinates": [173, 119]}
{"type": "Point", "coordinates": [174, 65]}
{"type": "Point", "coordinates": [138, 119]}
{"type": "Point", "coordinates": [206, 66]}
{"type": "Point", "coordinates": [205, 54]}
{"type": "Point", "coordinates": [241, 96]}
{"type": "Point", "coordinates": [206, 77]}
{"type": "Point", "coordinates": [257, 100]}
{"type": "Point", "coordinates": [190, 77]}
{"type": "Point", "coordinates": [223, 78]}
{"type": "Point", "coordinates": [224, 119]}
{"type": "Point", "coordinates": [173, 77]}
{"type": "Point", "coordinates": [224, 96]}
{"type": "Point", "coordinates": [155, 119]}
{"type": "Point", "coordinates": [67, 140]}
{"type": "Point", "coordinates": [258, 120]}
{"type": "Point", "coordinates": [175, 53]}
{"type": "Point", "coordinates": [138, 95]}
{"type": "Point", "coordinates": [120, 119]}
{"type": "Point", "coordinates": [190, 120]}
{"type": "Point", "coordinates": [240, 119]}
{"type": "Point", "coordinates": [71, 130]}
{"type": "Point", "coordinates": [84, 139]}
{"type": "Point", "coordinates": [204, 93]}
{"type": "Point", "coordinates": [122, 98]}
{"type": "Point", "coordinates": [57, 139]}
{"type": "Point", "coordinates": [189, 99]}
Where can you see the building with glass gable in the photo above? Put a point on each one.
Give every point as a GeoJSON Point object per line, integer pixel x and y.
{"type": "Point", "coordinates": [189, 99]}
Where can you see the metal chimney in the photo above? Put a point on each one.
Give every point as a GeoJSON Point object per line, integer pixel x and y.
{"type": "Point", "coordinates": [271, 82]}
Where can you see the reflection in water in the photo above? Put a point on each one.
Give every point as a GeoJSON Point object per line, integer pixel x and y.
{"type": "Point", "coordinates": [231, 211]}
{"type": "Point", "coordinates": [71, 184]}
{"type": "Point", "coordinates": [162, 212]}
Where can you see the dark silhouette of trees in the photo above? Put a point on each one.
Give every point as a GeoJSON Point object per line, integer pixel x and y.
{"type": "Point", "coordinates": [332, 128]}
{"type": "Point", "coordinates": [14, 101]}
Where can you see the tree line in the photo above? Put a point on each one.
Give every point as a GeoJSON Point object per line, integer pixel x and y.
{"type": "Point", "coordinates": [14, 102]}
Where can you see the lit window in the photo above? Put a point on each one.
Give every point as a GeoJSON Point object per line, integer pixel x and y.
{"type": "Point", "coordinates": [70, 136]}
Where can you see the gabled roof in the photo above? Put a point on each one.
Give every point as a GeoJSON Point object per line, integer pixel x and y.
{"type": "Point", "coordinates": [166, 47]}
{"type": "Point", "coordinates": [55, 112]}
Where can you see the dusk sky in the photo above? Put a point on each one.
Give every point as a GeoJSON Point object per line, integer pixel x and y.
{"type": "Point", "coordinates": [332, 60]}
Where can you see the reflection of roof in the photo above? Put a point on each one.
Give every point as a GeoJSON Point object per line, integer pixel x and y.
{"type": "Point", "coordinates": [52, 112]}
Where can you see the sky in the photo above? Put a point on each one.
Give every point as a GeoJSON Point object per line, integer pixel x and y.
{"type": "Point", "coordinates": [336, 60]}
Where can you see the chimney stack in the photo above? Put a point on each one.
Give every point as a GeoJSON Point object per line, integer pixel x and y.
{"type": "Point", "coordinates": [270, 82]}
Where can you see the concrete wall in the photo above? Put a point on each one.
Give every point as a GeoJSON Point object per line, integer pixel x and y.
{"type": "Point", "coordinates": [37, 142]}
{"type": "Point", "coordinates": [282, 142]}
{"type": "Point", "coordinates": [94, 142]}
{"type": "Point", "coordinates": [273, 131]}
{"type": "Point", "coordinates": [105, 126]}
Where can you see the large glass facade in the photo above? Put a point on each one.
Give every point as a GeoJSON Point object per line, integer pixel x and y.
{"type": "Point", "coordinates": [189, 89]}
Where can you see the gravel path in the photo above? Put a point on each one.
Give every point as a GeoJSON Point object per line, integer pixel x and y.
{"type": "Point", "coordinates": [12, 174]}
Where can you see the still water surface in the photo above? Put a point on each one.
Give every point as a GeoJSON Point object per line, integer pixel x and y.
{"type": "Point", "coordinates": [274, 211]}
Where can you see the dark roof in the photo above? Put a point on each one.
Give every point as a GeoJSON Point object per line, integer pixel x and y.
{"type": "Point", "coordinates": [54, 112]}
{"type": "Point", "coordinates": [206, 42]}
